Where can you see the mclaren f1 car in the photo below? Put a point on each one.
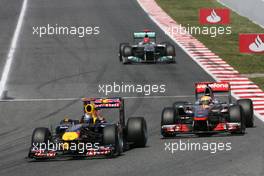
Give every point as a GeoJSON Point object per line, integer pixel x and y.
{"type": "Point", "coordinates": [209, 114]}
{"type": "Point", "coordinates": [92, 135]}
{"type": "Point", "coordinates": [146, 50]}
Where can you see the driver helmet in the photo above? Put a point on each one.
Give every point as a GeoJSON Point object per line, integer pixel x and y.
{"type": "Point", "coordinates": [205, 100]}
{"type": "Point", "coordinates": [146, 39]}
{"type": "Point", "coordinates": [66, 119]}
{"type": "Point", "coordinates": [87, 118]}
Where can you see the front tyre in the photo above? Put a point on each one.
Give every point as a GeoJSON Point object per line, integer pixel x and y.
{"type": "Point", "coordinates": [121, 47]}
{"type": "Point", "coordinates": [111, 136]}
{"type": "Point", "coordinates": [236, 115]}
{"type": "Point", "coordinates": [40, 135]}
{"type": "Point", "coordinates": [168, 116]}
{"type": "Point", "coordinates": [170, 50]}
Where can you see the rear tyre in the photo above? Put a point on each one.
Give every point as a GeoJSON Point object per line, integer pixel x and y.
{"type": "Point", "coordinates": [111, 136]}
{"type": "Point", "coordinates": [236, 115]}
{"type": "Point", "coordinates": [247, 107]}
{"type": "Point", "coordinates": [137, 131]}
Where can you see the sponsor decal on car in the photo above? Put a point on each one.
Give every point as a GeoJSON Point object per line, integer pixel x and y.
{"type": "Point", "coordinates": [216, 87]}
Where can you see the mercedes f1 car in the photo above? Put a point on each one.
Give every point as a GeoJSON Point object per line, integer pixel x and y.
{"type": "Point", "coordinates": [208, 115]}
{"type": "Point", "coordinates": [145, 49]}
{"type": "Point", "coordinates": [92, 135]}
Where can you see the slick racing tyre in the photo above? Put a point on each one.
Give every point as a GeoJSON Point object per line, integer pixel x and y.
{"type": "Point", "coordinates": [111, 136]}
{"type": "Point", "coordinates": [41, 135]}
{"type": "Point", "coordinates": [247, 107]}
{"type": "Point", "coordinates": [168, 116]}
{"type": "Point", "coordinates": [121, 47]}
{"type": "Point", "coordinates": [137, 131]}
{"type": "Point", "coordinates": [127, 51]}
{"type": "Point", "coordinates": [236, 115]}
{"type": "Point", "coordinates": [170, 50]}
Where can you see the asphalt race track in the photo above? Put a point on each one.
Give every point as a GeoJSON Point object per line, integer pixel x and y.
{"type": "Point", "coordinates": [251, 9]}
{"type": "Point", "coordinates": [72, 67]}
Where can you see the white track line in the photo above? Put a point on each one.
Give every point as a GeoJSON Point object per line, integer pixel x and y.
{"type": "Point", "coordinates": [75, 99]}
{"type": "Point", "coordinates": [12, 48]}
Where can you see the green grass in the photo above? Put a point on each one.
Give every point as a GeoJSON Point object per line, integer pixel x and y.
{"type": "Point", "coordinates": [226, 46]}
{"type": "Point", "coordinates": [259, 82]}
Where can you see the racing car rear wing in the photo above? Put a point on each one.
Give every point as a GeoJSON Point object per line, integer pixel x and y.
{"type": "Point", "coordinates": [100, 103]}
{"type": "Point", "coordinates": [214, 87]}
{"type": "Point", "coordinates": [140, 35]}
{"type": "Point", "coordinates": [106, 103]}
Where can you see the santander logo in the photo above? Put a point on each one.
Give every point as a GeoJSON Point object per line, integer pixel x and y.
{"type": "Point", "coordinates": [251, 43]}
{"type": "Point", "coordinates": [213, 17]}
{"type": "Point", "coordinates": [257, 45]}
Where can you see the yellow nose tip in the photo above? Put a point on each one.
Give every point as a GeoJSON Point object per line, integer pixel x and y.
{"type": "Point", "coordinates": [69, 136]}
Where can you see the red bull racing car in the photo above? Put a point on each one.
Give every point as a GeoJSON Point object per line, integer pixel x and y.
{"type": "Point", "coordinates": [208, 115]}
{"type": "Point", "coordinates": [92, 135]}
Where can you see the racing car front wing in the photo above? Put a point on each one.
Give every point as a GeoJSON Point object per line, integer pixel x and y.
{"type": "Point", "coordinates": [52, 154]}
{"type": "Point", "coordinates": [164, 59]}
{"type": "Point", "coordinates": [187, 129]}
